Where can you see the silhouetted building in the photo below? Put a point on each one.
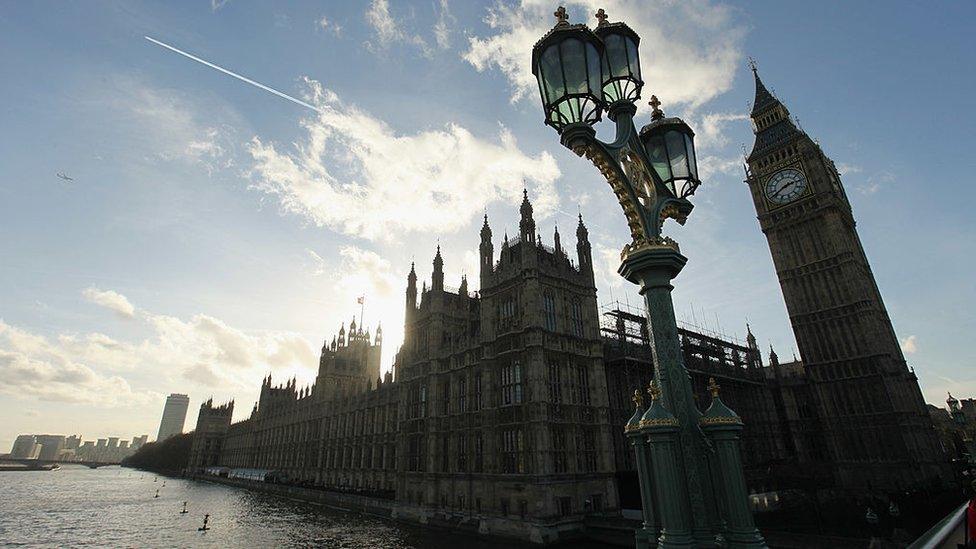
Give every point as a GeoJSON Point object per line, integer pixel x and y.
{"type": "Point", "coordinates": [174, 416]}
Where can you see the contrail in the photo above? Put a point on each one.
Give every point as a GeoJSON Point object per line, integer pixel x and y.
{"type": "Point", "coordinates": [237, 76]}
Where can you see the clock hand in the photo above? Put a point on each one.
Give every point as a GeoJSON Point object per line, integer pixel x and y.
{"type": "Point", "coordinates": [779, 190]}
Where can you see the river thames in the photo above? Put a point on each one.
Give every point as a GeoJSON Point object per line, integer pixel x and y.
{"type": "Point", "coordinates": [114, 507]}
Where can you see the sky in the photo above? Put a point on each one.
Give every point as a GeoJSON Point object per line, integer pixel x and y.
{"type": "Point", "coordinates": [215, 232]}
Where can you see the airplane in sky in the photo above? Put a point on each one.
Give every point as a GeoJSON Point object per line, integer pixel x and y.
{"type": "Point", "coordinates": [64, 177]}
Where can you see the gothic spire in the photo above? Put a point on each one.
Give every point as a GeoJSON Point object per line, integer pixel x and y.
{"type": "Point", "coordinates": [437, 279]}
{"type": "Point", "coordinates": [527, 223]}
{"type": "Point", "coordinates": [581, 232]}
{"type": "Point", "coordinates": [486, 230]}
{"type": "Point", "coordinates": [763, 98]}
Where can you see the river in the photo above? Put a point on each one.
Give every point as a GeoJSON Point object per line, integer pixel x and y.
{"type": "Point", "coordinates": [114, 507]}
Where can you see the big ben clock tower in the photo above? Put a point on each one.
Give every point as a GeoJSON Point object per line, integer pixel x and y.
{"type": "Point", "coordinates": [876, 432]}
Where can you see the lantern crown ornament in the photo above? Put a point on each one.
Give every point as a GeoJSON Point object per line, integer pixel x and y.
{"type": "Point", "coordinates": [583, 73]}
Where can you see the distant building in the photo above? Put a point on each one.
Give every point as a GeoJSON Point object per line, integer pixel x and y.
{"type": "Point", "coordinates": [51, 446]}
{"type": "Point", "coordinates": [137, 442]}
{"type": "Point", "coordinates": [124, 445]}
{"type": "Point", "coordinates": [72, 442]}
{"type": "Point", "coordinates": [113, 442]}
{"type": "Point", "coordinates": [174, 415]}
{"type": "Point", "coordinates": [25, 447]}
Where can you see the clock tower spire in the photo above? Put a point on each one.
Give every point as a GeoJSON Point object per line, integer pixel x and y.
{"type": "Point", "coordinates": [875, 429]}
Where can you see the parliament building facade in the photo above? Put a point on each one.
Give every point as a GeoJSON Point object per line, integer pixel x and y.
{"type": "Point", "coordinates": [508, 405]}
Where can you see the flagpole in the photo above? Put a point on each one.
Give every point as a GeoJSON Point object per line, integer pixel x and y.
{"type": "Point", "coordinates": [362, 307]}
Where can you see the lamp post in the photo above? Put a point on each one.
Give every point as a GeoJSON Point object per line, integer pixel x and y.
{"type": "Point", "coordinates": [690, 462]}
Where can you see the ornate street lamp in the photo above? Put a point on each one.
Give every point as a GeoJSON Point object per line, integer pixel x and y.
{"type": "Point", "coordinates": [689, 463]}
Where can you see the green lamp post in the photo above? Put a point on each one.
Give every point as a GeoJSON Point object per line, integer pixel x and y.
{"type": "Point", "coordinates": [582, 74]}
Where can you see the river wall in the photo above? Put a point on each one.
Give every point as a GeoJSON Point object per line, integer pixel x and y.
{"type": "Point", "coordinates": [492, 527]}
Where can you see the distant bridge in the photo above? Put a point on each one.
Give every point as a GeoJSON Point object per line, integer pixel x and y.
{"type": "Point", "coordinates": [29, 462]}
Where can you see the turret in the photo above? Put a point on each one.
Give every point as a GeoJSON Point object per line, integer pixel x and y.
{"type": "Point", "coordinates": [437, 278]}
{"type": "Point", "coordinates": [754, 357]}
{"type": "Point", "coordinates": [379, 334]}
{"type": "Point", "coordinates": [556, 244]}
{"type": "Point", "coordinates": [773, 358]}
{"type": "Point", "coordinates": [583, 251]}
{"type": "Point", "coordinates": [487, 252]}
{"type": "Point", "coordinates": [463, 290]}
{"type": "Point", "coordinates": [411, 292]}
{"type": "Point", "coordinates": [342, 335]}
{"type": "Point", "coordinates": [526, 223]}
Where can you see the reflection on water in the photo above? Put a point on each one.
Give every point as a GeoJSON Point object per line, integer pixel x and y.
{"type": "Point", "coordinates": [115, 507]}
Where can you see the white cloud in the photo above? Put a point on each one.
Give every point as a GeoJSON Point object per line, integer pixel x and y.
{"type": "Point", "coordinates": [327, 25]}
{"type": "Point", "coordinates": [96, 369]}
{"type": "Point", "coordinates": [875, 183]}
{"type": "Point", "coordinates": [710, 129]}
{"type": "Point", "coordinates": [442, 29]}
{"type": "Point", "coordinates": [31, 366]}
{"type": "Point", "coordinates": [909, 345]}
{"type": "Point", "coordinates": [387, 30]}
{"type": "Point", "coordinates": [176, 125]}
{"type": "Point", "coordinates": [110, 300]}
{"type": "Point", "coordinates": [317, 264]}
{"type": "Point", "coordinates": [354, 174]}
{"type": "Point", "coordinates": [690, 50]}
{"type": "Point", "coordinates": [845, 168]}
{"type": "Point", "coordinates": [217, 4]}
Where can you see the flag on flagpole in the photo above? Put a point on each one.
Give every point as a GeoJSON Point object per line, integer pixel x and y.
{"type": "Point", "coordinates": [361, 299]}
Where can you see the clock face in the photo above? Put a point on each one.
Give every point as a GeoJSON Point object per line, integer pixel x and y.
{"type": "Point", "coordinates": [785, 186]}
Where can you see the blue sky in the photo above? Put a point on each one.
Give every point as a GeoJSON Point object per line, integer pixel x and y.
{"type": "Point", "coordinates": [215, 232]}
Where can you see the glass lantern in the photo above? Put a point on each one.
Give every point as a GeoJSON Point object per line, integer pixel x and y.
{"type": "Point", "coordinates": [621, 61]}
{"type": "Point", "coordinates": [670, 146]}
{"type": "Point", "coordinates": [566, 64]}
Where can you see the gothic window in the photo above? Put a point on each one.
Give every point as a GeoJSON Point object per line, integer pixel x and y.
{"type": "Point", "coordinates": [555, 382]}
{"type": "Point", "coordinates": [585, 452]}
{"type": "Point", "coordinates": [462, 395]}
{"type": "Point", "coordinates": [462, 454]}
{"type": "Point", "coordinates": [477, 390]}
{"type": "Point", "coordinates": [445, 453]}
{"type": "Point", "coordinates": [576, 318]}
{"type": "Point", "coordinates": [445, 396]}
{"type": "Point", "coordinates": [583, 384]}
{"type": "Point", "coordinates": [513, 457]}
{"type": "Point", "coordinates": [422, 402]}
{"type": "Point", "coordinates": [549, 310]}
{"type": "Point", "coordinates": [479, 452]}
{"type": "Point", "coordinates": [415, 451]}
{"type": "Point", "coordinates": [511, 384]}
{"type": "Point", "coordinates": [559, 449]}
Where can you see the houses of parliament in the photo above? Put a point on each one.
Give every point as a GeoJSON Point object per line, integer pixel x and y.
{"type": "Point", "coordinates": [508, 404]}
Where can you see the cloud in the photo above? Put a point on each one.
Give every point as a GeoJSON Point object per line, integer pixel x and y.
{"type": "Point", "coordinates": [354, 174]}
{"type": "Point", "coordinates": [96, 369]}
{"type": "Point", "coordinates": [845, 168]}
{"type": "Point", "coordinates": [110, 300]}
{"type": "Point", "coordinates": [325, 24]}
{"type": "Point", "coordinates": [177, 126]}
{"type": "Point", "coordinates": [217, 4]}
{"type": "Point", "coordinates": [442, 29]}
{"type": "Point", "coordinates": [690, 50]}
{"type": "Point", "coordinates": [909, 345]}
{"type": "Point", "coordinates": [31, 366]}
{"type": "Point", "coordinates": [366, 272]}
{"type": "Point", "coordinates": [316, 263]}
{"type": "Point", "coordinates": [387, 30]}
{"type": "Point", "coordinates": [875, 183]}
